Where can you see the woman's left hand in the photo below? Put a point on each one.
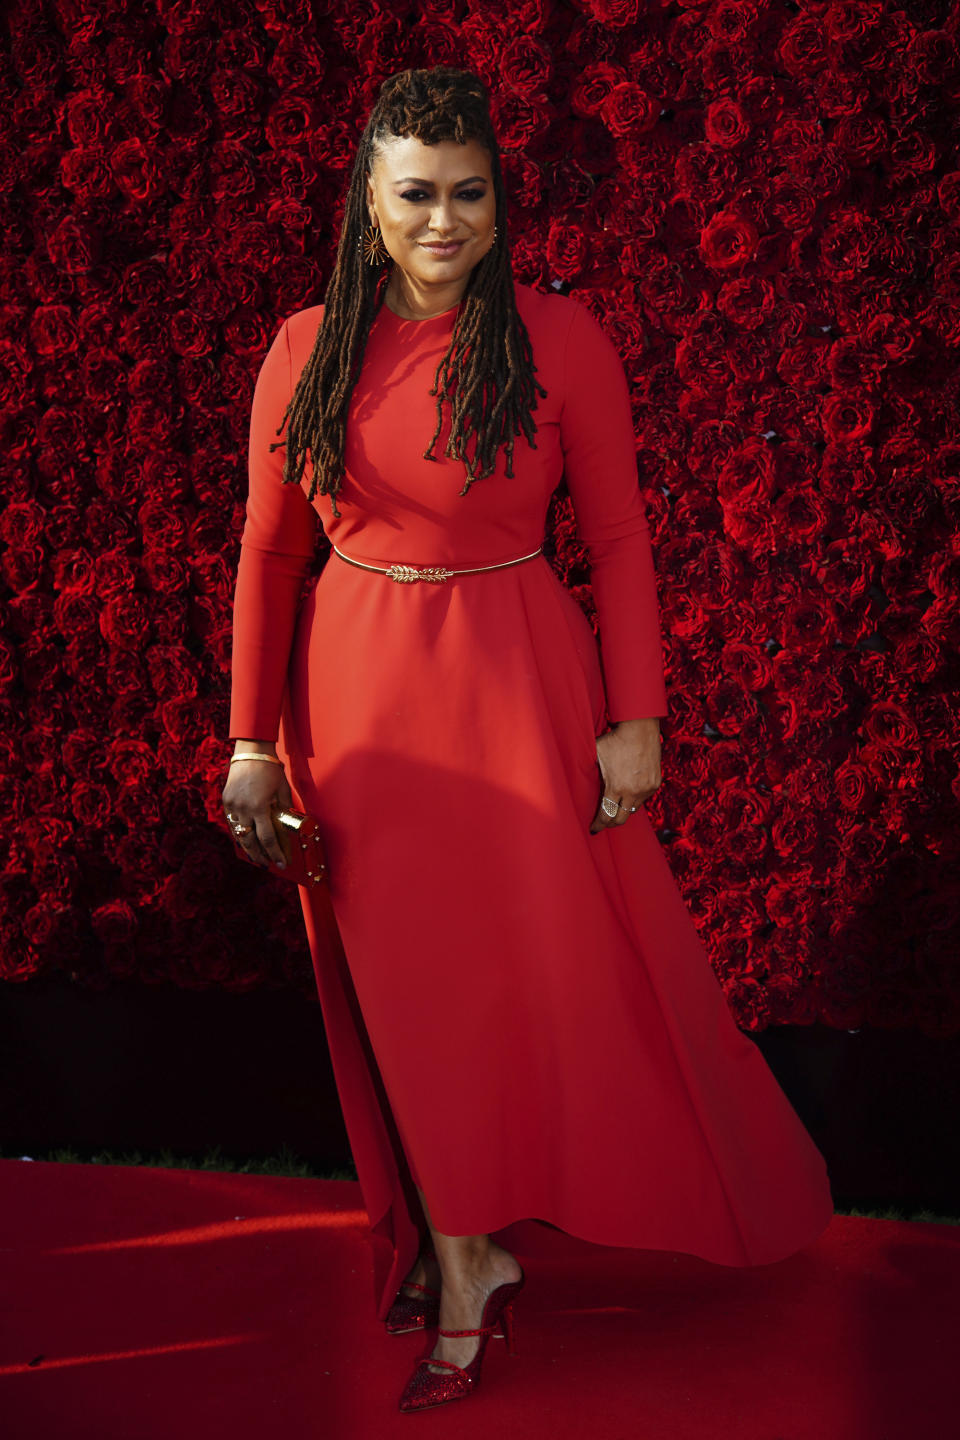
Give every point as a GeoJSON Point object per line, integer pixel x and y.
{"type": "Point", "coordinates": [629, 760]}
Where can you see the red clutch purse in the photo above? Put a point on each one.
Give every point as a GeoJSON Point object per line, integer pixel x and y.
{"type": "Point", "coordinates": [302, 847]}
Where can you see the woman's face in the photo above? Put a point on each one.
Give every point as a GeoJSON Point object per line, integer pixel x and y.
{"type": "Point", "coordinates": [428, 195]}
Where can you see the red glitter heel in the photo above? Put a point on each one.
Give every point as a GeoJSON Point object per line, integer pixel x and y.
{"type": "Point", "coordinates": [411, 1312]}
{"type": "Point", "coordinates": [427, 1388]}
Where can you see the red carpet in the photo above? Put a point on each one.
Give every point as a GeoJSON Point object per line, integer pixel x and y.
{"type": "Point", "coordinates": [148, 1304]}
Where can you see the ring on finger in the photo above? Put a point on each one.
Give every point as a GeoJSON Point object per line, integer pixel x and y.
{"type": "Point", "coordinates": [609, 801]}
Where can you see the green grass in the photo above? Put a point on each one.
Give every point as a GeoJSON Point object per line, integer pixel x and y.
{"type": "Point", "coordinates": [286, 1162]}
{"type": "Point", "coordinates": [891, 1212]}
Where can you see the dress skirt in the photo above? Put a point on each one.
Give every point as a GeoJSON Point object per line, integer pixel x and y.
{"type": "Point", "coordinates": [523, 1020]}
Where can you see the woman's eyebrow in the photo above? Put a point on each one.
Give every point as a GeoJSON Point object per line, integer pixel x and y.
{"type": "Point", "coordinates": [413, 180]}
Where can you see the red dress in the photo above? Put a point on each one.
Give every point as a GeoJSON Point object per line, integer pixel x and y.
{"type": "Point", "coordinates": [525, 1023]}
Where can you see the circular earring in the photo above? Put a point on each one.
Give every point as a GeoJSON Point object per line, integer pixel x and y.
{"type": "Point", "coordinates": [371, 243]}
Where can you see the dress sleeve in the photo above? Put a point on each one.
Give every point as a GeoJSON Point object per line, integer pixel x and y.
{"type": "Point", "coordinates": [600, 467]}
{"type": "Point", "coordinates": [276, 548]}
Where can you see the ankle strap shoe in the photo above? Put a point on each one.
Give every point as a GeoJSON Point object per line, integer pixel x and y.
{"type": "Point", "coordinates": [414, 1312]}
{"type": "Point", "coordinates": [427, 1388]}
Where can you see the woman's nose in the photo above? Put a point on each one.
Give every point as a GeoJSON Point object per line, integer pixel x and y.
{"type": "Point", "coordinates": [442, 218]}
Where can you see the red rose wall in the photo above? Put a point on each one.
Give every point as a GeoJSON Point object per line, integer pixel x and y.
{"type": "Point", "coordinates": [759, 201]}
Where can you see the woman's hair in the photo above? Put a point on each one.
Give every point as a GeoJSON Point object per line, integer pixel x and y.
{"type": "Point", "coordinates": [488, 369]}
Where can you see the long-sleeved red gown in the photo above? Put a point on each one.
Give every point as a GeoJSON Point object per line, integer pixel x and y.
{"type": "Point", "coordinates": [523, 1019]}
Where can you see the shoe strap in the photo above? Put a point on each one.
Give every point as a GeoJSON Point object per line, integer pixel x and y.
{"type": "Point", "coordinates": [415, 1285]}
{"type": "Point", "coordinates": [484, 1330]}
{"type": "Point", "coordinates": [448, 1364]}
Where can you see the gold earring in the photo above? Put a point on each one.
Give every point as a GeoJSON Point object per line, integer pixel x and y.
{"type": "Point", "coordinates": [374, 250]}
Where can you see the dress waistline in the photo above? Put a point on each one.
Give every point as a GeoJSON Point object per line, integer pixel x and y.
{"type": "Point", "coordinates": [410, 573]}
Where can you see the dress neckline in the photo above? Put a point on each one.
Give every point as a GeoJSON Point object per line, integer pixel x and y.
{"type": "Point", "coordinates": [429, 320]}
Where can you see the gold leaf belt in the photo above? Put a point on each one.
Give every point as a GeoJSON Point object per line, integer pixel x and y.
{"type": "Point", "coordinates": [410, 573]}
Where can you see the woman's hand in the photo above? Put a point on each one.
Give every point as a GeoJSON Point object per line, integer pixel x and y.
{"type": "Point", "coordinates": [629, 760]}
{"type": "Point", "coordinates": [252, 789]}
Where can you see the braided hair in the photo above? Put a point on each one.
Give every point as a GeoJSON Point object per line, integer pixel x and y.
{"type": "Point", "coordinates": [487, 371]}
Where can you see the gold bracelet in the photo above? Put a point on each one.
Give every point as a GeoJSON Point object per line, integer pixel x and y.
{"type": "Point", "coordinates": [257, 755]}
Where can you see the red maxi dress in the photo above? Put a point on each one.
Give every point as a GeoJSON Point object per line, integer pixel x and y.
{"type": "Point", "coordinates": [522, 1018]}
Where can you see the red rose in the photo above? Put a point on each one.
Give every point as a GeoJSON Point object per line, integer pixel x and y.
{"type": "Point", "coordinates": [801, 518]}
{"type": "Point", "coordinates": [567, 250]}
{"type": "Point", "coordinates": [74, 245]}
{"type": "Point", "coordinates": [172, 671]}
{"type": "Point", "coordinates": [729, 240]}
{"type": "Point", "coordinates": [863, 850]}
{"type": "Point", "coordinates": [516, 122]}
{"type": "Point", "coordinates": [92, 804]}
{"type": "Point", "coordinates": [792, 999]}
{"type": "Point", "coordinates": [82, 752]}
{"type": "Point", "coordinates": [170, 622]}
{"type": "Point", "coordinates": [125, 622]}
{"type": "Point", "coordinates": [523, 181]}
{"type": "Point", "coordinates": [847, 417]}
{"type": "Point", "coordinates": [748, 841]}
{"type": "Point", "coordinates": [591, 88]}
{"type": "Point", "coordinates": [614, 12]}
{"type": "Point", "coordinates": [526, 66]}
{"type": "Point", "coordinates": [137, 804]}
{"type": "Point", "coordinates": [115, 923]}
{"type": "Point", "coordinates": [127, 691]}
{"type": "Point", "coordinates": [188, 53]}
{"type": "Point", "coordinates": [803, 45]}
{"type": "Point", "coordinates": [747, 665]}
{"type": "Point", "coordinates": [182, 719]}
{"type": "Point", "coordinates": [748, 475]}
{"type": "Point", "coordinates": [137, 856]}
{"type": "Point", "coordinates": [628, 110]}
{"type": "Point", "coordinates": [725, 124]}
{"type": "Point", "coordinates": [748, 1001]}
{"type": "Point", "coordinates": [54, 870]}
{"type": "Point", "coordinates": [167, 574]}
{"type": "Point", "coordinates": [291, 119]}
{"type": "Point", "coordinates": [77, 617]}
{"type": "Point", "coordinates": [292, 65]}
{"type": "Point", "coordinates": [806, 624]}
{"type": "Point", "coordinates": [729, 708]}
{"type": "Point", "coordinates": [854, 786]}
{"type": "Point", "coordinates": [795, 835]}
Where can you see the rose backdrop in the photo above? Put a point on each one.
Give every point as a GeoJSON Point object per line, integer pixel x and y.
{"type": "Point", "coordinates": [759, 201]}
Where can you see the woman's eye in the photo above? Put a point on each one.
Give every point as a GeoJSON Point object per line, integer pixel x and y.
{"type": "Point", "coordinates": [463, 195]}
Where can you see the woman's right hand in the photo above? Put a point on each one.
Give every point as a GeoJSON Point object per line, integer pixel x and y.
{"type": "Point", "coordinates": [253, 790]}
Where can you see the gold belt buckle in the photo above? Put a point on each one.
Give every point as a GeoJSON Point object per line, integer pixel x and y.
{"type": "Point", "coordinates": [409, 573]}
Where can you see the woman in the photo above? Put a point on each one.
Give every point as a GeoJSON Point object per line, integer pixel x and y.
{"type": "Point", "coordinates": [524, 1024]}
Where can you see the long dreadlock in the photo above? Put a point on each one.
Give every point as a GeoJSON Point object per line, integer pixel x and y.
{"type": "Point", "coordinates": [488, 369]}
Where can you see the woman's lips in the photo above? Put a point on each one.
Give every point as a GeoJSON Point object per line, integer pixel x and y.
{"type": "Point", "coordinates": [442, 252]}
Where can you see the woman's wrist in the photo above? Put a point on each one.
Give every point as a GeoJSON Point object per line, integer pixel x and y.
{"type": "Point", "coordinates": [242, 747]}
{"type": "Point", "coordinates": [651, 722]}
